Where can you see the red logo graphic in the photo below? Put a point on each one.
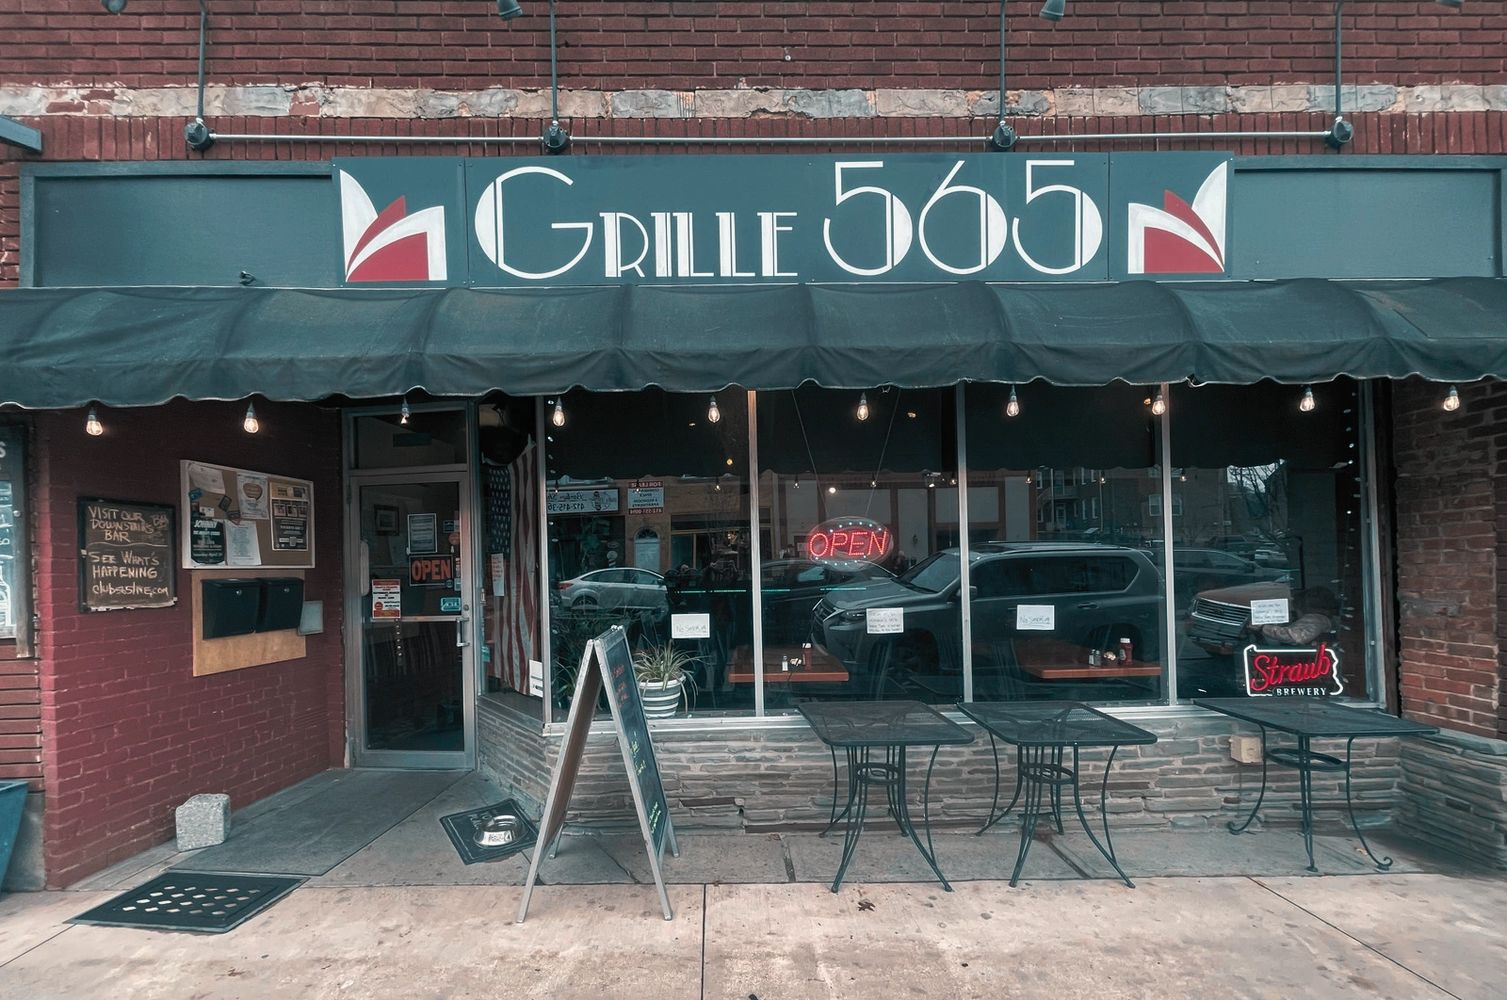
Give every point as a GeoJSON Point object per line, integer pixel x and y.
{"type": "Point", "coordinates": [1180, 238]}
{"type": "Point", "coordinates": [392, 245]}
{"type": "Point", "coordinates": [1292, 671]}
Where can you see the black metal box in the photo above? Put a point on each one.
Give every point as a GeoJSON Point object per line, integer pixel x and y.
{"type": "Point", "coordinates": [231, 607]}
{"type": "Point", "coordinates": [282, 604]}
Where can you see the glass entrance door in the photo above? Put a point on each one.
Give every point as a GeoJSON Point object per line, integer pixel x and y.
{"type": "Point", "coordinates": [413, 556]}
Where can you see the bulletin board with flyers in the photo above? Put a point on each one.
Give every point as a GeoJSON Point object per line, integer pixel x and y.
{"type": "Point", "coordinates": [236, 518]}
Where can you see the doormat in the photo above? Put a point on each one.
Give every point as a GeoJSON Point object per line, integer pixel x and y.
{"type": "Point", "coordinates": [208, 902]}
{"type": "Point", "coordinates": [492, 832]}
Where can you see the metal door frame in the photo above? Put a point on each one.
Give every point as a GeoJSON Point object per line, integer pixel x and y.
{"type": "Point", "coordinates": [355, 671]}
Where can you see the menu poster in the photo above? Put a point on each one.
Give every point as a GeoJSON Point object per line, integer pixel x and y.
{"type": "Point", "coordinates": [126, 556]}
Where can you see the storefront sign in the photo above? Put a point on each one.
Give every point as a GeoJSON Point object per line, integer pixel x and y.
{"type": "Point", "coordinates": [885, 621]}
{"type": "Point", "coordinates": [582, 502]}
{"type": "Point", "coordinates": [850, 542]}
{"type": "Point", "coordinates": [206, 539]}
{"type": "Point", "coordinates": [431, 571]}
{"type": "Point", "coordinates": [610, 220]}
{"type": "Point", "coordinates": [1313, 671]}
{"type": "Point", "coordinates": [691, 625]}
{"type": "Point", "coordinates": [421, 534]}
{"type": "Point", "coordinates": [387, 599]}
{"type": "Point", "coordinates": [646, 496]}
{"type": "Point", "coordinates": [1270, 612]}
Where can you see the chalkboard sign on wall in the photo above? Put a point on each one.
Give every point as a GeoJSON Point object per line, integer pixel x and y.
{"type": "Point", "coordinates": [126, 555]}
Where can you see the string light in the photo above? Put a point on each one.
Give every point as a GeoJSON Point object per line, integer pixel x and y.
{"type": "Point", "coordinates": [1012, 408]}
{"type": "Point", "coordinates": [92, 425]}
{"type": "Point", "coordinates": [831, 490]}
{"type": "Point", "coordinates": [1159, 403]}
{"type": "Point", "coordinates": [712, 413]}
{"type": "Point", "coordinates": [1452, 400]}
{"type": "Point", "coordinates": [403, 413]}
{"type": "Point", "coordinates": [251, 425]}
{"type": "Point", "coordinates": [863, 406]}
{"type": "Point", "coordinates": [1307, 404]}
{"type": "Point", "coordinates": [558, 417]}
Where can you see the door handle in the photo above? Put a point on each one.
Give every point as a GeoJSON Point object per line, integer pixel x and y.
{"type": "Point", "coordinates": [1090, 606]}
{"type": "Point", "coordinates": [460, 632]}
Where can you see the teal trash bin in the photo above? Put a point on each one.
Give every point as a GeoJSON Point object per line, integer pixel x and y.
{"type": "Point", "coordinates": [12, 804]}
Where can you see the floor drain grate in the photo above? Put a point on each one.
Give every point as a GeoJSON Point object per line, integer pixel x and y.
{"type": "Point", "coordinates": [211, 902]}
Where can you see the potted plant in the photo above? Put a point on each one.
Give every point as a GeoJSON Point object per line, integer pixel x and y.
{"type": "Point", "coordinates": [664, 679]}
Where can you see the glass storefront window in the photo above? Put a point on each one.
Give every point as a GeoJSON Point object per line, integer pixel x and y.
{"type": "Point", "coordinates": [1064, 525]}
{"type": "Point", "coordinates": [428, 437]}
{"type": "Point", "coordinates": [647, 499]}
{"type": "Point", "coordinates": [15, 583]}
{"type": "Point", "coordinates": [858, 513]}
{"type": "Point", "coordinates": [1267, 532]}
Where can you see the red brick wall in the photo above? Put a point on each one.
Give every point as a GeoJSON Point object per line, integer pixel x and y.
{"type": "Point", "coordinates": [131, 731]}
{"type": "Point", "coordinates": [462, 44]}
{"type": "Point", "coordinates": [1451, 506]}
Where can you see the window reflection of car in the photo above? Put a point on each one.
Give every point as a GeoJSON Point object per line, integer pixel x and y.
{"type": "Point", "coordinates": [792, 588]}
{"type": "Point", "coordinates": [1205, 569]}
{"type": "Point", "coordinates": [621, 587]}
{"type": "Point", "coordinates": [1219, 620]}
{"type": "Point", "coordinates": [1099, 593]}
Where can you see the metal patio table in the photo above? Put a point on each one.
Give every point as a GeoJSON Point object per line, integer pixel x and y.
{"type": "Point", "coordinates": [1042, 732]}
{"type": "Point", "coordinates": [859, 729]}
{"type": "Point", "coordinates": [1308, 718]}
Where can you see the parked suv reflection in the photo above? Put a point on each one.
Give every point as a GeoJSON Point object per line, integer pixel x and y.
{"type": "Point", "coordinates": [1099, 594]}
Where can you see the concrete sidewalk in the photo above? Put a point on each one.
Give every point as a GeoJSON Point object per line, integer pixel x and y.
{"type": "Point", "coordinates": [1406, 936]}
{"type": "Point", "coordinates": [390, 911]}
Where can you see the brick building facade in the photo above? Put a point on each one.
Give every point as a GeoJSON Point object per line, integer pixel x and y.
{"type": "Point", "coordinates": [104, 708]}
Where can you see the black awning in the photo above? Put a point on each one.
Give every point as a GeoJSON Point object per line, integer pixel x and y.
{"type": "Point", "coordinates": [67, 347]}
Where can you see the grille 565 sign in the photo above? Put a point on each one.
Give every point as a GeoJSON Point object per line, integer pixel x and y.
{"type": "Point", "coordinates": [1314, 671]}
{"type": "Point", "coordinates": [606, 220]}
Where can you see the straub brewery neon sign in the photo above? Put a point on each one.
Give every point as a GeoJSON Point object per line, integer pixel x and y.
{"type": "Point", "coordinates": [1314, 671]}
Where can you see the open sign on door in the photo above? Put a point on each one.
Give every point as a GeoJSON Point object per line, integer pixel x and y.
{"type": "Point", "coordinates": [431, 571]}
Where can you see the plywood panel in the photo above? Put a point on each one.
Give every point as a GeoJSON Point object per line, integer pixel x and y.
{"type": "Point", "coordinates": [236, 652]}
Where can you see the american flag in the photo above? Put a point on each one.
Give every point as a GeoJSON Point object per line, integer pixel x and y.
{"type": "Point", "coordinates": [516, 528]}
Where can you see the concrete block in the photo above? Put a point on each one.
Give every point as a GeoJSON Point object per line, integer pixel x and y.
{"type": "Point", "coordinates": [648, 104]}
{"type": "Point", "coordinates": [203, 821]}
{"type": "Point", "coordinates": [1184, 100]}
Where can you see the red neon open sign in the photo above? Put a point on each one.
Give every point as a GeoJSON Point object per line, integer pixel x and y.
{"type": "Point", "coordinates": [850, 540]}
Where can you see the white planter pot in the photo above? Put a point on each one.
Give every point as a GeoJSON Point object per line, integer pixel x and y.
{"type": "Point", "coordinates": [661, 698]}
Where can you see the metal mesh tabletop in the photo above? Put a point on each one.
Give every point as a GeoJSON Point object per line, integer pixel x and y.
{"type": "Point", "coordinates": [1053, 723]}
{"type": "Point", "coordinates": [1315, 717]}
{"type": "Point", "coordinates": [881, 723]}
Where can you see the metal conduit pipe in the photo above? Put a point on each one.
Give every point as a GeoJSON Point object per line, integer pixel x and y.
{"type": "Point", "coordinates": [728, 140]}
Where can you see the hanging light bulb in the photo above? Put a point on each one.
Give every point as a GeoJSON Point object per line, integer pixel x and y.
{"type": "Point", "coordinates": [251, 425]}
{"type": "Point", "coordinates": [1159, 403]}
{"type": "Point", "coordinates": [1306, 403]}
{"type": "Point", "coordinates": [1452, 400]}
{"type": "Point", "coordinates": [863, 406]}
{"type": "Point", "coordinates": [558, 417]}
{"type": "Point", "coordinates": [92, 424]}
{"type": "Point", "coordinates": [831, 490]}
{"type": "Point", "coordinates": [403, 413]}
{"type": "Point", "coordinates": [712, 413]}
{"type": "Point", "coordinates": [1012, 408]}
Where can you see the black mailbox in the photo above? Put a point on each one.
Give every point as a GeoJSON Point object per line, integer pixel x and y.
{"type": "Point", "coordinates": [282, 604]}
{"type": "Point", "coordinates": [231, 607]}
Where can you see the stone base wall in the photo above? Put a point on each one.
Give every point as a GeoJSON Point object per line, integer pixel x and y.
{"type": "Point", "coordinates": [1453, 794]}
{"type": "Point", "coordinates": [781, 779]}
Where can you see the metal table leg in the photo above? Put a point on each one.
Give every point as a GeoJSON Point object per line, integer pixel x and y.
{"type": "Point", "coordinates": [1259, 796]}
{"type": "Point", "coordinates": [904, 814]}
{"type": "Point", "coordinates": [1031, 809]}
{"type": "Point", "coordinates": [1305, 789]}
{"type": "Point", "coordinates": [1381, 863]}
{"type": "Point", "coordinates": [993, 818]}
{"type": "Point", "coordinates": [852, 762]}
{"type": "Point", "coordinates": [856, 817]}
{"type": "Point", "coordinates": [1108, 847]}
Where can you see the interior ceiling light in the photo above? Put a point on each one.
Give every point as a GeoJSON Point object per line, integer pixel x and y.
{"type": "Point", "coordinates": [1053, 10]}
{"type": "Point", "coordinates": [1307, 404]}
